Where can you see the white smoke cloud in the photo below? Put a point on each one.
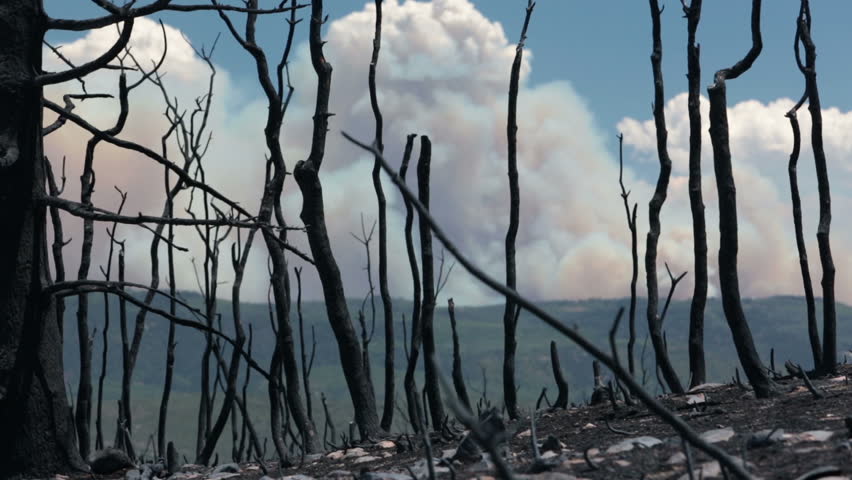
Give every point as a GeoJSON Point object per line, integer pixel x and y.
{"type": "Point", "coordinates": [444, 72]}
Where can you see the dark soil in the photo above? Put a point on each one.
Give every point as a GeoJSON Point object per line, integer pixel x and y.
{"type": "Point", "coordinates": [584, 433]}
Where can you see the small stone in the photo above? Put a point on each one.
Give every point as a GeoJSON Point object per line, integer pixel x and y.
{"type": "Point", "coordinates": [718, 435]}
{"type": "Point", "coordinates": [222, 475]}
{"type": "Point", "coordinates": [340, 475]}
{"type": "Point", "coordinates": [385, 476]}
{"type": "Point", "coordinates": [109, 460]}
{"type": "Point", "coordinates": [622, 463]}
{"type": "Point", "coordinates": [814, 436]}
{"type": "Point", "coordinates": [764, 438]}
{"type": "Point", "coordinates": [365, 459]}
{"type": "Point", "coordinates": [525, 433]}
{"type": "Point", "coordinates": [630, 443]}
{"type": "Point", "coordinates": [227, 468]}
{"type": "Point", "coordinates": [297, 477]}
{"type": "Point", "coordinates": [677, 458]}
{"type": "Point", "coordinates": [589, 425]}
{"type": "Point", "coordinates": [547, 476]}
{"type": "Point", "coordinates": [386, 444]}
{"type": "Point", "coordinates": [355, 452]}
{"type": "Point", "coordinates": [696, 399]}
{"type": "Point", "coordinates": [335, 455]}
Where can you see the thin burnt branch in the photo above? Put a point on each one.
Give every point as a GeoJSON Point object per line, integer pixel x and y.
{"type": "Point", "coordinates": [89, 67]}
{"type": "Point", "coordinates": [122, 14]}
{"type": "Point", "coordinates": [458, 373]}
{"type": "Point", "coordinates": [634, 250]}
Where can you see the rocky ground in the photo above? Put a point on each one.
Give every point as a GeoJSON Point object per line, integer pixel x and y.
{"type": "Point", "coordinates": [792, 436]}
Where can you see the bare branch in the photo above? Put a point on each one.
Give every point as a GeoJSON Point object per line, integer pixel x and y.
{"type": "Point", "coordinates": [87, 68]}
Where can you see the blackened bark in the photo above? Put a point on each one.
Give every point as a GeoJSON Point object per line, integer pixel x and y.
{"type": "Point", "coordinates": [697, 366]}
{"type": "Point", "coordinates": [313, 217]}
{"type": "Point", "coordinates": [510, 344]}
{"type": "Point", "coordinates": [458, 373]}
{"type": "Point", "coordinates": [387, 304]}
{"type": "Point", "coordinates": [427, 314]}
{"type": "Point", "coordinates": [728, 241]}
{"type": "Point", "coordinates": [37, 437]}
{"type": "Point", "coordinates": [829, 309]}
{"type": "Point", "coordinates": [561, 384]}
{"type": "Point", "coordinates": [656, 205]}
{"type": "Point", "coordinates": [409, 382]}
{"type": "Point", "coordinates": [170, 342]}
{"type": "Point", "coordinates": [813, 331]}
{"type": "Point", "coordinates": [306, 364]}
{"type": "Point", "coordinates": [634, 250]}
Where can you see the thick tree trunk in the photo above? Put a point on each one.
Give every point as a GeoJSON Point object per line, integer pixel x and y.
{"type": "Point", "coordinates": [654, 207]}
{"type": "Point", "coordinates": [37, 439]}
{"type": "Point", "coordinates": [697, 365]}
{"type": "Point", "coordinates": [728, 241]}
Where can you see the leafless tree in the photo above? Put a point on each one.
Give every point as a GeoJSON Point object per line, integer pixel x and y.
{"type": "Point", "coordinates": [634, 250]}
{"type": "Point", "coordinates": [427, 313]}
{"type": "Point", "coordinates": [510, 313]}
{"type": "Point", "coordinates": [387, 303]}
{"type": "Point", "coordinates": [409, 382]}
{"type": "Point", "coordinates": [728, 241]}
{"type": "Point", "coordinates": [306, 173]}
{"type": "Point", "coordinates": [697, 367]}
{"type": "Point", "coordinates": [458, 373]}
{"type": "Point", "coordinates": [829, 308]}
{"type": "Point", "coordinates": [656, 205]}
{"type": "Point", "coordinates": [813, 329]}
{"type": "Point", "coordinates": [31, 369]}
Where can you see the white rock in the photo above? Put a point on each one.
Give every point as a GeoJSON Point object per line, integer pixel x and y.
{"type": "Point", "coordinates": [630, 443]}
{"type": "Point", "coordinates": [718, 435]}
{"type": "Point", "coordinates": [365, 459]}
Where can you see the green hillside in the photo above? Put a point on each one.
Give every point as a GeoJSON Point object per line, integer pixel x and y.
{"type": "Point", "coordinates": [776, 322]}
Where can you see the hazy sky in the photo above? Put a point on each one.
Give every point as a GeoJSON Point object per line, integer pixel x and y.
{"type": "Point", "coordinates": [444, 71]}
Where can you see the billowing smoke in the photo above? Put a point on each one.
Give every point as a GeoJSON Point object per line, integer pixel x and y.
{"type": "Point", "coordinates": [444, 72]}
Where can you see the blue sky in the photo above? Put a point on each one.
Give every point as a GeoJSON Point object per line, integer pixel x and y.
{"type": "Point", "coordinates": [602, 47]}
{"type": "Point", "coordinates": [444, 71]}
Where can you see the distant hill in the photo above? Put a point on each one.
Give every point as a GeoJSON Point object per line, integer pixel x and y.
{"type": "Point", "coordinates": [776, 322]}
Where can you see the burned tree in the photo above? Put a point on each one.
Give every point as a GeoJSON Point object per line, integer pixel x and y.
{"type": "Point", "coordinates": [409, 382]}
{"type": "Point", "coordinates": [634, 250]}
{"type": "Point", "coordinates": [306, 173]}
{"type": "Point", "coordinates": [728, 241]}
{"type": "Point", "coordinates": [510, 313]}
{"type": "Point", "coordinates": [829, 308]}
{"type": "Point", "coordinates": [33, 399]}
{"type": "Point", "coordinates": [387, 303]}
{"type": "Point", "coordinates": [656, 204]}
{"type": "Point", "coordinates": [427, 314]}
{"type": "Point", "coordinates": [697, 367]}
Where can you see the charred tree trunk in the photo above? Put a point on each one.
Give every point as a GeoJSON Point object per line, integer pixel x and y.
{"type": "Point", "coordinates": [38, 433]}
{"type": "Point", "coordinates": [561, 384]}
{"type": "Point", "coordinates": [433, 389]}
{"type": "Point", "coordinates": [813, 331]}
{"type": "Point", "coordinates": [656, 205]}
{"type": "Point", "coordinates": [458, 373]}
{"type": "Point", "coordinates": [697, 365]}
{"type": "Point", "coordinates": [510, 344]}
{"type": "Point", "coordinates": [170, 346]}
{"type": "Point", "coordinates": [387, 304]}
{"type": "Point", "coordinates": [409, 382]}
{"type": "Point", "coordinates": [829, 309]}
{"type": "Point", "coordinates": [728, 241]}
{"type": "Point", "coordinates": [313, 217]}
